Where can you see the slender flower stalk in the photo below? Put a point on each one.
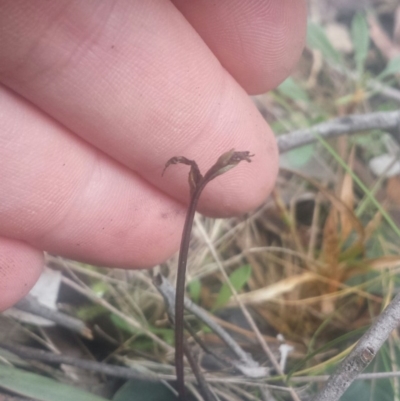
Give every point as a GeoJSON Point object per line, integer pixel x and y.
{"type": "Point", "coordinates": [197, 183]}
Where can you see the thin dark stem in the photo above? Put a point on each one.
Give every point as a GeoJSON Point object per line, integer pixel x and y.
{"type": "Point", "coordinates": [204, 388]}
{"type": "Point", "coordinates": [197, 183]}
{"type": "Point", "coordinates": [180, 289]}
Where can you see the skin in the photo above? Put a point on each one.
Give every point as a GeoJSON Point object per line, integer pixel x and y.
{"type": "Point", "coordinates": [96, 96]}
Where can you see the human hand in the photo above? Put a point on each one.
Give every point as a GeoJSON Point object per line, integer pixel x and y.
{"type": "Point", "coordinates": [97, 95]}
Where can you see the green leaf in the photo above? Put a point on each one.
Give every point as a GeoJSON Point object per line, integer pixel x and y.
{"type": "Point", "coordinates": [238, 279]}
{"type": "Point", "coordinates": [360, 38]}
{"type": "Point", "coordinates": [317, 39]}
{"type": "Point", "coordinates": [345, 100]}
{"type": "Point", "coordinates": [194, 288]}
{"type": "Point", "coordinates": [41, 388]}
{"type": "Point", "coordinates": [292, 90]}
{"type": "Point", "coordinates": [100, 288]}
{"type": "Point", "coordinates": [366, 390]}
{"type": "Point", "coordinates": [136, 390]}
{"type": "Point", "coordinates": [392, 67]}
{"type": "Point", "coordinates": [90, 312]}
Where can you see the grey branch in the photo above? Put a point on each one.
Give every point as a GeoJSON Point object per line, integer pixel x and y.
{"type": "Point", "coordinates": [104, 368]}
{"type": "Point", "coordinates": [352, 124]}
{"type": "Point", "coordinates": [29, 353]}
{"type": "Point", "coordinates": [362, 376]}
{"type": "Point", "coordinates": [29, 304]}
{"type": "Point", "coordinates": [362, 354]}
{"type": "Point", "coordinates": [246, 363]}
{"type": "Point", "coordinates": [5, 397]}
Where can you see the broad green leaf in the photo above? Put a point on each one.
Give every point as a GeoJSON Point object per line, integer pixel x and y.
{"type": "Point", "coordinates": [392, 67]}
{"type": "Point", "coordinates": [238, 279]}
{"type": "Point", "coordinates": [381, 389]}
{"type": "Point", "coordinates": [41, 388]}
{"type": "Point", "coordinates": [136, 390]}
{"type": "Point", "coordinates": [366, 390]}
{"type": "Point", "coordinates": [317, 39]}
{"type": "Point", "coordinates": [360, 38]}
{"type": "Point", "coordinates": [293, 91]}
{"type": "Point", "coordinates": [194, 290]}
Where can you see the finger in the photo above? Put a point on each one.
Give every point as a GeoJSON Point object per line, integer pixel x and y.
{"type": "Point", "coordinates": [257, 41]}
{"type": "Point", "coordinates": [62, 195]}
{"type": "Point", "coordinates": [20, 268]}
{"type": "Point", "coordinates": [134, 79]}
